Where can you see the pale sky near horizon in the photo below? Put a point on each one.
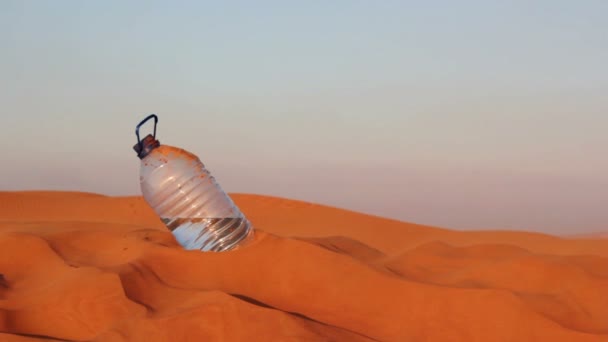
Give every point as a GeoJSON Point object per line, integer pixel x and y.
{"type": "Point", "coordinates": [467, 115]}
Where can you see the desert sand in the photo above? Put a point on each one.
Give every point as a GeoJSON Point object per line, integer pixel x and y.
{"type": "Point", "coordinates": [87, 267]}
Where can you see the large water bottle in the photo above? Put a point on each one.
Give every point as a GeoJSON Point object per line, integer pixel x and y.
{"type": "Point", "coordinates": [187, 198]}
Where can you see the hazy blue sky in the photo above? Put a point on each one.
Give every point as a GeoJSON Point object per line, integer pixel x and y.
{"type": "Point", "coordinates": [462, 114]}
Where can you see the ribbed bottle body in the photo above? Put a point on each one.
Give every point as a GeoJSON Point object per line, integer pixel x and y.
{"type": "Point", "coordinates": [190, 202]}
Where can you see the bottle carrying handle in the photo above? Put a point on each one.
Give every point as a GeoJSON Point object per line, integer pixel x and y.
{"type": "Point", "coordinates": [141, 124]}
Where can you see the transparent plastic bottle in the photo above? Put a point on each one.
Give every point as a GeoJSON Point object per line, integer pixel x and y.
{"type": "Point", "coordinates": [189, 201]}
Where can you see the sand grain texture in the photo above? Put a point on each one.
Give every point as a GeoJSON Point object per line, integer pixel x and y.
{"type": "Point", "coordinates": [86, 267]}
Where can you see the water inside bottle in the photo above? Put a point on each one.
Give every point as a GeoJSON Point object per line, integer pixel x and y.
{"type": "Point", "coordinates": [209, 234]}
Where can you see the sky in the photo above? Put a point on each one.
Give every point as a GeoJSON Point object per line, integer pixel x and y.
{"type": "Point", "coordinates": [464, 115]}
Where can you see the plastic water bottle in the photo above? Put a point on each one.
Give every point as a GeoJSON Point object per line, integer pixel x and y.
{"type": "Point", "coordinates": [189, 201]}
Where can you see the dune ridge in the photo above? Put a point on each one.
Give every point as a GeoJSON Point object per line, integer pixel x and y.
{"type": "Point", "coordinates": [87, 267]}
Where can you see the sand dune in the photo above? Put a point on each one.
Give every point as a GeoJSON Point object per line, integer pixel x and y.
{"type": "Point", "coordinates": [87, 267]}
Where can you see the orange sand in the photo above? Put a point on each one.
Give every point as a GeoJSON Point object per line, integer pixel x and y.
{"type": "Point", "coordinates": [78, 266]}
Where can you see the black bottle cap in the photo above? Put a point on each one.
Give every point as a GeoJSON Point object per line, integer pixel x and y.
{"type": "Point", "coordinates": [144, 147]}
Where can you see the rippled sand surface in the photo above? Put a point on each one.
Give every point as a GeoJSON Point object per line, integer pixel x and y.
{"type": "Point", "coordinates": [86, 267]}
